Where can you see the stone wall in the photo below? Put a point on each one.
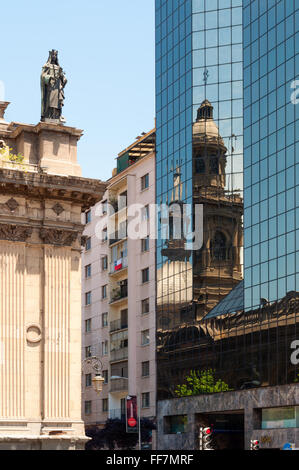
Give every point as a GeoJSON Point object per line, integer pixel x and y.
{"type": "Point", "coordinates": [247, 401]}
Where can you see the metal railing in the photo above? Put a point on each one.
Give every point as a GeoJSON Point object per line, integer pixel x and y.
{"type": "Point", "coordinates": [117, 414]}
{"type": "Point", "coordinates": [120, 293]}
{"type": "Point", "coordinates": [114, 268]}
{"type": "Point", "coordinates": [119, 354]}
{"type": "Point", "coordinates": [118, 325]}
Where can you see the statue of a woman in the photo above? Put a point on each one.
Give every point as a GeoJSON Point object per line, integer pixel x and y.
{"type": "Point", "coordinates": [53, 82]}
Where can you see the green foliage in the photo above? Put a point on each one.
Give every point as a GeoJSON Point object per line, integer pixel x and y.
{"type": "Point", "coordinates": [199, 382]}
{"type": "Point", "coordinates": [11, 157]}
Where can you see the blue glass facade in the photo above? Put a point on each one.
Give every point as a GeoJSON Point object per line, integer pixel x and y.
{"type": "Point", "coordinates": [271, 153]}
{"type": "Point", "coordinates": [199, 160]}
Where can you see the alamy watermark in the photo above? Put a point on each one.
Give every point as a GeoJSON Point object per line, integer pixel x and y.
{"type": "Point", "coordinates": [168, 222]}
{"type": "Point", "coordinates": [295, 94]}
{"type": "Point", "coordinates": [295, 355]}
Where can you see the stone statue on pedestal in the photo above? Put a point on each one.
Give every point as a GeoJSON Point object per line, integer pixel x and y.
{"type": "Point", "coordinates": [53, 82]}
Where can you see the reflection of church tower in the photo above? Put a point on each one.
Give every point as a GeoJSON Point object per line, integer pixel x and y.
{"type": "Point", "coordinates": [217, 266]}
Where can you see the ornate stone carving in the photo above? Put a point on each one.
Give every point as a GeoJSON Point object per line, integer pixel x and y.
{"type": "Point", "coordinates": [12, 204]}
{"type": "Point", "coordinates": [59, 237]}
{"type": "Point", "coordinates": [15, 233]}
{"type": "Point", "coordinates": [57, 208]}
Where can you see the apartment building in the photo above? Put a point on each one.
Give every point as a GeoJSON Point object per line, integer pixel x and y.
{"type": "Point", "coordinates": [118, 289]}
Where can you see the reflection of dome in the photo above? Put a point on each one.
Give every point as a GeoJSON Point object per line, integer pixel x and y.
{"type": "Point", "coordinates": [205, 128]}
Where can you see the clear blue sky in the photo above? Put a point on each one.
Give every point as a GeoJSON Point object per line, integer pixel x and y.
{"type": "Point", "coordinates": [107, 51]}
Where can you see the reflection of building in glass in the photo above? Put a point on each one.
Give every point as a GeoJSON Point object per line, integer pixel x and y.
{"type": "Point", "coordinates": [217, 266]}
{"type": "Point", "coordinates": [244, 344]}
{"type": "Point", "coordinates": [198, 161]}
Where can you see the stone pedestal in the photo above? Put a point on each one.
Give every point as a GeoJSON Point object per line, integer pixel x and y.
{"type": "Point", "coordinates": [40, 290]}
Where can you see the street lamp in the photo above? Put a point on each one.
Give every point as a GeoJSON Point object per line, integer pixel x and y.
{"type": "Point", "coordinates": [96, 364]}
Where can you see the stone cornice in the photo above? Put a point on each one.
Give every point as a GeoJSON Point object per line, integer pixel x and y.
{"type": "Point", "coordinates": [15, 233]}
{"type": "Point", "coordinates": [86, 192]}
{"type": "Point", "coordinates": [16, 128]}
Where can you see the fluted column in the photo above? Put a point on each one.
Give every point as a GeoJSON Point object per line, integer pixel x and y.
{"type": "Point", "coordinates": [57, 265]}
{"type": "Point", "coordinates": [12, 390]}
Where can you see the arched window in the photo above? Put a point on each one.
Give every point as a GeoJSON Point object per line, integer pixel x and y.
{"type": "Point", "coordinates": [218, 247]}
{"type": "Point", "coordinates": [214, 165]}
{"type": "Point", "coordinates": [200, 166]}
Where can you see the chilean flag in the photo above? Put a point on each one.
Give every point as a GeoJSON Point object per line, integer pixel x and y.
{"type": "Point", "coordinates": [118, 264]}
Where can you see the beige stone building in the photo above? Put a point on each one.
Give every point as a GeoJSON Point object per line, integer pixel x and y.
{"type": "Point", "coordinates": [42, 195]}
{"type": "Point", "coordinates": [118, 294]}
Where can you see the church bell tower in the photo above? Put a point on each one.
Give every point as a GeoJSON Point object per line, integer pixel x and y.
{"type": "Point", "coordinates": [217, 265]}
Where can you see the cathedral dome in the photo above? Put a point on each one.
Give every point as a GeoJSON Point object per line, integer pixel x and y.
{"type": "Point", "coordinates": [205, 128]}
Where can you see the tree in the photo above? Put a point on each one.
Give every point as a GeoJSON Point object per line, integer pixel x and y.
{"type": "Point", "coordinates": [199, 382]}
{"type": "Point", "coordinates": [114, 435]}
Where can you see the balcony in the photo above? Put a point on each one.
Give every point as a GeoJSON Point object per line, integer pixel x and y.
{"type": "Point", "coordinates": [118, 354]}
{"type": "Point", "coordinates": [118, 325]}
{"type": "Point", "coordinates": [120, 234]}
{"type": "Point", "coordinates": [118, 385]}
{"type": "Point", "coordinates": [118, 265]}
{"type": "Point", "coordinates": [119, 293]}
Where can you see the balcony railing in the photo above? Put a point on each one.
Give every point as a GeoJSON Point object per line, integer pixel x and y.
{"type": "Point", "coordinates": [118, 265]}
{"type": "Point", "coordinates": [118, 325]}
{"type": "Point", "coordinates": [120, 293]}
{"type": "Point", "coordinates": [118, 236]}
{"type": "Point", "coordinates": [117, 414]}
{"type": "Point", "coordinates": [119, 354]}
{"type": "Point", "coordinates": [118, 385]}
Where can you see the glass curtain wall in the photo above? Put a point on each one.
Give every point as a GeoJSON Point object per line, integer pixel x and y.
{"type": "Point", "coordinates": [199, 161]}
{"type": "Point", "coordinates": [271, 153]}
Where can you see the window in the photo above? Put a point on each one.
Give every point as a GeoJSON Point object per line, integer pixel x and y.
{"type": "Point", "coordinates": [145, 337]}
{"type": "Point", "coordinates": [88, 351]}
{"type": "Point", "coordinates": [145, 244]}
{"type": "Point", "coordinates": [88, 270]}
{"type": "Point", "coordinates": [104, 263]}
{"type": "Point", "coordinates": [145, 213]}
{"type": "Point", "coordinates": [104, 207]}
{"type": "Point", "coordinates": [104, 292]}
{"type": "Point", "coordinates": [88, 325]}
{"type": "Point", "coordinates": [105, 405]}
{"type": "Point", "coordinates": [280, 417]}
{"type": "Point", "coordinates": [88, 380]}
{"type": "Point", "coordinates": [200, 166]}
{"type": "Point", "coordinates": [145, 369]}
{"type": "Point", "coordinates": [122, 229]}
{"type": "Point", "coordinates": [104, 348]}
{"type": "Point", "coordinates": [87, 407]}
{"type": "Point", "coordinates": [144, 306]}
{"type": "Point", "coordinates": [122, 200]}
{"type": "Point", "coordinates": [105, 376]}
{"type": "Point", "coordinates": [104, 319]}
{"type": "Point", "coordinates": [145, 400]}
{"type": "Point", "coordinates": [218, 245]}
{"type": "Point", "coordinates": [88, 217]}
{"type": "Point", "coordinates": [88, 244]}
{"type": "Point", "coordinates": [104, 235]}
{"type": "Point", "coordinates": [145, 275]}
{"type": "Point", "coordinates": [87, 298]}
{"type": "Point", "coordinates": [144, 182]}
{"type": "Point", "coordinates": [175, 424]}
